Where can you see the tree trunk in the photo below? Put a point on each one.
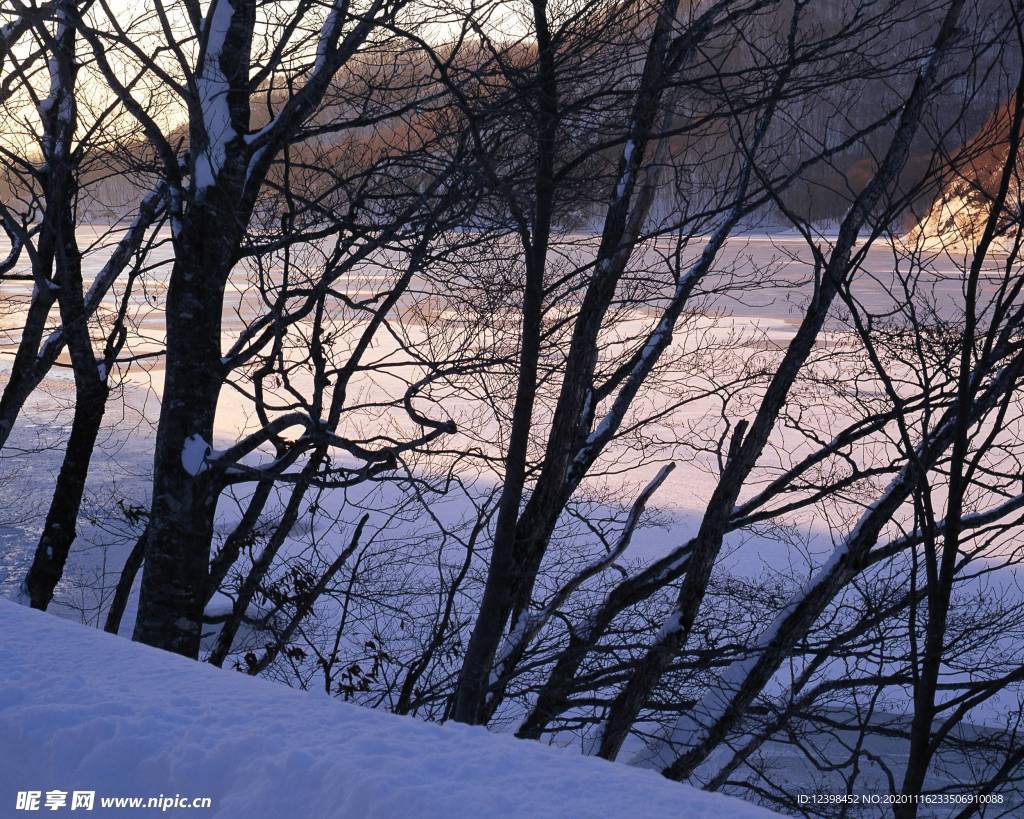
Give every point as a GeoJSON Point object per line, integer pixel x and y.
{"type": "Point", "coordinates": [19, 381]}
{"type": "Point", "coordinates": [125, 583]}
{"type": "Point", "coordinates": [174, 577]}
{"type": "Point", "coordinates": [59, 530]}
{"type": "Point", "coordinates": [496, 603]}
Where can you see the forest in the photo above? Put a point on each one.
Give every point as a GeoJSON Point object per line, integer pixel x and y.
{"type": "Point", "coordinates": [643, 377]}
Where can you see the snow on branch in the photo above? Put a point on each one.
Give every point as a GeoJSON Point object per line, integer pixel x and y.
{"type": "Point", "coordinates": [213, 86]}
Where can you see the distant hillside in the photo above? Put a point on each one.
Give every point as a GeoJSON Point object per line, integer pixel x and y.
{"type": "Point", "coordinates": [957, 218]}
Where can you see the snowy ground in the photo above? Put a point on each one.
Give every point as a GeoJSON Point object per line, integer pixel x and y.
{"type": "Point", "coordinates": [83, 710]}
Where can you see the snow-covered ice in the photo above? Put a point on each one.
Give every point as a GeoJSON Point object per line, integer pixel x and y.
{"type": "Point", "coordinates": [84, 710]}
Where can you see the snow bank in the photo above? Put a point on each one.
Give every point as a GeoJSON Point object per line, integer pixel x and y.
{"type": "Point", "coordinates": [84, 710]}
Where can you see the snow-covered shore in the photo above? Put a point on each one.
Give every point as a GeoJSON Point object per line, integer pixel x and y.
{"type": "Point", "coordinates": [84, 710]}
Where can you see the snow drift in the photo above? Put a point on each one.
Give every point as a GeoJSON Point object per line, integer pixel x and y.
{"type": "Point", "coordinates": [84, 710]}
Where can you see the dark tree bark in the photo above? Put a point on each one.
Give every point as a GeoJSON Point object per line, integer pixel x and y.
{"type": "Point", "coordinates": [174, 576]}
{"type": "Point", "coordinates": [59, 530]}
{"type": "Point", "coordinates": [521, 537]}
{"type": "Point", "coordinates": [60, 120]}
{"type": "Point", "coordinates": [496, 601]}
{"type": "Point", "coordinates": [125, 581]}
{"type": "Point", "coordinates": [228, 167]}
{"type": "Point", "coordinates": [207, 235]}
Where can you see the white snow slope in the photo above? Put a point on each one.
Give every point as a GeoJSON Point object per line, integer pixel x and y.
{"type": "Point", "coordinates": [84, 710]}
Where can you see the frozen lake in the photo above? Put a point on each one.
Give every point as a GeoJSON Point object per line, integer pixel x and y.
{"type": "Point", "coordinates": [754, 298]}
